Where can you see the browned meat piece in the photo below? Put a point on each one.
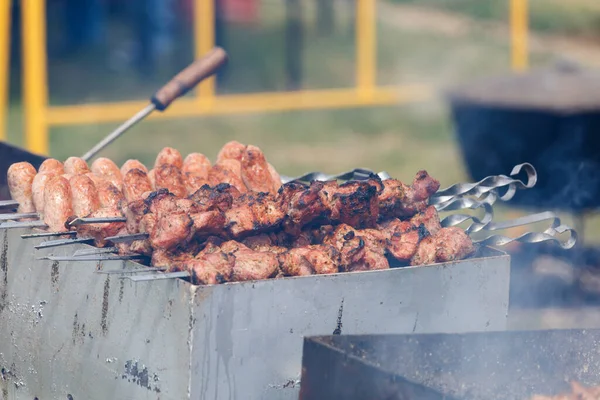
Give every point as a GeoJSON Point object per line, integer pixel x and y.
{"type": "Point", "coordinates": [305, 238]}
{"type": "Point", "coordinates": [403, 245]}
{"type": "Point", "coordinates": [255, 171]}
{"type": "Point", "coordinates": [220, 197]}
{"type": "Point", "coordinates": [169, 156]}
{"type": "Point", "coordinates": [253, 265]}
{"type": "Point", "coordinates": [578, 392]}
{"type": "Point", "coordinates": [169, 177]}
{"type": "Point", "coordinates": [108, 170]}
{"type": "Point", "coordinates": [210, 268]}
{"type": "Point", "coordinates": [52, 165]}
{"type": "Point", "coordinates": [319, 234]}
{"type": "Point", "coordinates": [359, 250]}
{"type": "Point", "coordinates": [123, 248]}
{"type": "Point", "coordinates": [227, 171]}
{"type": "Point", "coordinates": [429, 218]}
{"type": "Point", "coordinates": [134, 212]}
{"type": "Point", "coordinates": [132, 164]}
{"type": "Point", "coordinates": [196, 164]}
{"type": "Point", "coordinates": [170, 260]}
{"type": "Point", "coordinates": [172, 230]}
{"type": "Point", "coordinates": [209, 223]}
{"type": "Point", "coordinates": [57, 203]}
{"type": "Point", "coordinates": [135, 184]}
{"type": "Point", "coordinates": [393, 199]}
{"type": "Point", "coordinates": [453, 244]}
{"type": "Point", "coordinates": [304, 205]}
{"type": "Point", "coordinates": [353, 203]}
{"type": "Point", "coordinates": [20, 178]}
{"type": "Point", "coordinates": [38, 187]}
{"type": "Point", "coordinates": [100, 231]}
{"type": "Point", "coordinates": [84, 195]}
{"type": "Point", "coordinates": [231, 151]}
{"type": "Point", "coordinates": [448, 244]}
{"type": "Point", "coordinates": [193, 182]}
{"type": "Point", "coordinates": [259, 243]}
{"type": "Point", "coordinates": [109, 195]}
{"type": "Point", "coordinates": [232, 246]}
{"type": "Point", "coordinates": [423, 186]}
{"type": "Point", "coordinates": [294, 263]}
{"type": "Point", "coordinates": [274, 177]}
{"type": "Point", "coordinates": [253, 213]}
{"type": "Point", "coordinates": [324, 259]}
{"type": "Point", "coordinates": [76, 166]}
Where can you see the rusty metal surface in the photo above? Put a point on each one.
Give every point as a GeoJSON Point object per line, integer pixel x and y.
{"type": "Point", "coordinates": [471, 366]}
{"type": "Point", "coordinates": [65, 329]}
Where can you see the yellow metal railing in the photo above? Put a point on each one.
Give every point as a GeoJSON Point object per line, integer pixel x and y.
{"type": "Point", "coordinates": [39, 116]}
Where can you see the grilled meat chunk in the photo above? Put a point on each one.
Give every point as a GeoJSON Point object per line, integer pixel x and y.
{"type": "Point", "coordinates": [354, 203]}
{"type": "Point", "coordinates": [220, 197]}
{"type": "Point", "coordinates": [253, 213]}
{"type": "Point", "coordinates": [448, 244]}
{"type": "Point", "coordinates": [102, 230]}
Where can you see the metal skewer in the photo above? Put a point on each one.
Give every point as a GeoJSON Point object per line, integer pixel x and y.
{"type": "Point", "coordinates": [48, 234]}
{"type": "Point", "coordinates": [63, 242]}
{"type": "Point", "coordinates": [99, 257]}
{"type": "Point", "coordinates": [103, 220]}
{"type": "Point", "coordinates": [177, 87]}
{"type": "Point", "coordinates": [7, 217]}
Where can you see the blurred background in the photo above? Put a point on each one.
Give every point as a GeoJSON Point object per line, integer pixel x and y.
{"type": "Point", "coordinates": [319, 85]}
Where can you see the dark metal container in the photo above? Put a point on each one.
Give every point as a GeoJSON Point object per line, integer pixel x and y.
{"type": "Point", "coordinates": [549, 118]}
{"type": "Point", "coordinates": [473, 366]}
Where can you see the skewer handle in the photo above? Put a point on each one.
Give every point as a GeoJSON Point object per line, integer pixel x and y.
{"type": "Point", "coordinates": [189, 77]}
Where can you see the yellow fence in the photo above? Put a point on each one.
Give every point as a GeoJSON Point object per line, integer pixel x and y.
{"type": "Point", "coordinates": [39, 116]}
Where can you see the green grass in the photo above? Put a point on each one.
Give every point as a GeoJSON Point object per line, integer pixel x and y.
{"type": "Point", "coordinates": [578, 17]}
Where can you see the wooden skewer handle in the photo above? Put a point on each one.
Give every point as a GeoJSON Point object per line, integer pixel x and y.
{"type": "Point", "coordinates": [189, 78]}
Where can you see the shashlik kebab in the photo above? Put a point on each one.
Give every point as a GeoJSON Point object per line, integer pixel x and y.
{"type": "Point", "coordinates": [324, 250]}
{"type": "Point", "coordinates": [180, 176]}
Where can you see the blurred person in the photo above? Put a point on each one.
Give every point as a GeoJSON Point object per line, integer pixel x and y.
{"type": "Point", "coordinates": [85, 24]}
{"type": "Point", "coordinates": [154, 25]}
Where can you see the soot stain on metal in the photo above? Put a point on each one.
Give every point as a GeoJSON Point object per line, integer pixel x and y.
{"type": "Point", "coordinates": [54, 275]}
{"type": "Point", "coordinates": [103, 320]}
{"type": "Point", "coordinates": [338, 328]}
{"type": "Point", "coordinates": [140, 376]}
{"type": "Point", "coordinates": [75, 328]}
{"type": "Point", "coordinates": [121, 289]}
{"type": "Point", "coordinates": [4, 269]}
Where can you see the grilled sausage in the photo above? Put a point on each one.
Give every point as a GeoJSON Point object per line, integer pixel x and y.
{"type": "Point", "coordinates": [152, 177]}
{"type": "Point", "coordinates": [132, 164]}
{"type": "Point", "coordinates": [57, 203]}
{"type": "Point", "coordinates": [135, 184]}
{"type": "Point", "coordinates": [52, 165]}
{"type": "Point", "coordinates": [255, 171]}
{"type": "Point", "coordinates": [84, 195]}
{"type": "Point", "coordinates": [76, 166]}
{"type": "Point", "coordinates": [108, 170]}
{"type": "Point", "coordinates": [170, 156]}
{"type": "Point", "coordinates": [109, 195]}
{"type": "Point", "coordinates": [231, 151]}
{"type": "Point", "coordinates": [275, 177]}
{"type": "Point", "coordinates": [197, 164]}
{"type": "Point", "coordinates": [20, 179]}
{"type": "Point", "coordinates": [227, 171]}
{"type": "Point", "coordinates": [170, 177]}
{"type": "Point", "coordinates": [37, 188]}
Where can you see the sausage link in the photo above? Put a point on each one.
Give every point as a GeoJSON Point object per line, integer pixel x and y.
{"type": "Point", "coordinates": [170, 177]}
{"type": "Point", "coordinates": [170, 156]}
{"type": "Point", "coordinates": [108, 170]}
{"type": "Point", "coordinates": [52, 165]}
{"type": "Point", "coordinates": [37, 188]}
{"type": "Point", "coordinates": [20, 179]}
{"type": "Point", "coordinates": [152, 177]}
{"type": "Point", "coordinates": [231, 151]}
{"type": "Point", "coordinates": [84, 195]}
{"type": "Point", "coordinates": [275, 178]}
{"type": "Point", "coordinates": [109, 195]}
{"type": "Point", "coordinates": [132, 164]}
{"type": "Point", "coordinates": [135, 184]}
{"type": "Point", "coordinates": [57, 203]}
{"type": "Point", "coordinates": [76, 166]}
{"type": "Point", "coordinates": [196, 164]}
{"type": "Point", "coordinates": [255, 170]}
{"type": "Point", "coordinates": [227, 171]}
